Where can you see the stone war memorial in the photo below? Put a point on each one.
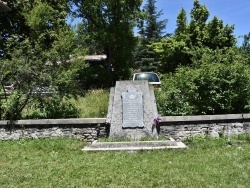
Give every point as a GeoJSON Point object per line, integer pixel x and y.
{"type": "Point", "coordinates": [132, 108]}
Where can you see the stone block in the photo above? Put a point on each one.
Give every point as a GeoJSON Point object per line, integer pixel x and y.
{"type": "Point", "coordinates": [133, 117]}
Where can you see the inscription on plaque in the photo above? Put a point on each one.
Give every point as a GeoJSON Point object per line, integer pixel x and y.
{"type": "Point", "coordinates": [132, 109]}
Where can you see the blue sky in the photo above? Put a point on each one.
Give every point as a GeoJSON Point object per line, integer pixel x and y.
{"type": "Point", "coordinates": [232, 12]}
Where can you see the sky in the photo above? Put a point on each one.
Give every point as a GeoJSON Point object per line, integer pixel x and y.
{"type": "Point", "coordinates": [232, 12]}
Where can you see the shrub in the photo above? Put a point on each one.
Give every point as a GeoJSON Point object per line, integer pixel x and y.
{"type": "Point", "coordinates": [11, 107]}
{"type": "Point", "coordinates": [54, 107]}
{"type": "Point", "coordinates": [93, 104]}
{"type": "Point", "coordinates": [210, 89]}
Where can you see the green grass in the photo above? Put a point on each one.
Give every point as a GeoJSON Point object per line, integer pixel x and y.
{"type": "Point", "coordinates": [94, 104]}
{"type": "Point", "coordinates": [61, 163]}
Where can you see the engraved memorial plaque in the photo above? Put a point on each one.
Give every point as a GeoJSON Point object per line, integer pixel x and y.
{"type": "Point", "coordinates": [132, 109]}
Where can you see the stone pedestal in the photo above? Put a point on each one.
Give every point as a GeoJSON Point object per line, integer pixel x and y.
{"type": "Point", "coordinates": [132, 108]}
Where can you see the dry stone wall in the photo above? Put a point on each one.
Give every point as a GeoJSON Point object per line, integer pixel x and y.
{"type": "Point", "coordinates": [182, 127]}
{"type": "Point", "coordinates": [88, 133]}
{"type": "Point", "coordinates": [178, 127]}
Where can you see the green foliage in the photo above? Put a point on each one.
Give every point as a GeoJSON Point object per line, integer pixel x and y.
{"type": "Point", "coordinates": [40, 20]}
{"type": "Point", "coordinates": [181, 23]}
{"type": "Point", "coordinates": [111, 25]}
{"type": "Point", "coordinates": [53, 107]}
{"type": "Point", "coordinates": [11, 109]}
{"type": "Point", "coordinates": [153, 27]}
{"type": "Point", "coordinates": [94, 104]}
{"type": "Point", "coordinates": [198, 36]}
{"type": "Point", "coordinates": [150, 30]}
{"type": "Point", "coordinates": [24, 71]}
{"type": "Point", "coordinates": [171, 53]}
{"type": "Point", "coordinates": [246, 43]}
{"type": "Point", "coordinates": [213, 88]}
{"type": "Point", "coordinates": [245, 47]}
{"type": "Point", "coordinates": [93, 77]}
{"type": "Point", "coordinates": [38, 50]}
{"type": "Point", "coordinates": [60, 107]}
{"type": "Point", "coordinates": [144, 56]}
{"type": "Point", "coordinates": [85, 38]}
{"type": "Point", "coordinates": [197, 27]}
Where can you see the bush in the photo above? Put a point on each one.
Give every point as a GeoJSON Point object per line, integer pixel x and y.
{"type": "Point", "coordinates": [12, 106]}
{"type": "Point", "coordinates": [93, 104]}
{"type": "Point", "coordinates": [54, 107]}
{"type": "Point", "coordinates": [210, 89]}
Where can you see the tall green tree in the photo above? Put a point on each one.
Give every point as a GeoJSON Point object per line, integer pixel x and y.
{"type": "Point", "coordinates": [84, 38]}
{"type": "Point", "coordinates": [197, 27]}
{"type": "Point", "coordinates": [112, 23]}
{"type": "Point", "coordinates": [153, 26]}
{"type": "Point", "coordinates": [17, 22]}
{"type": "Point", "coordinates": [35, 41]}
{"type": "Point", "coordinates": [151, 30]}
{"type": "Point", "coordinates": [245, 47]}
{"type": "Point", "coordinates": [181, 23]}
{"type": "Point", "coordinates": [43, 26]}
{"type": "Point", "coordinates": [192, 40]}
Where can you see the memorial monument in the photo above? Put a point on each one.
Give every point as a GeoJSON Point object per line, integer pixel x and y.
{"type": "Point", "coordinates": [131, 114]}
{"type": "Point", "coordinates": [132, 108]}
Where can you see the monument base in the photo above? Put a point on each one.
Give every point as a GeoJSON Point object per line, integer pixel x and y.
{"type": "Point", "coordinates": [134, 146]}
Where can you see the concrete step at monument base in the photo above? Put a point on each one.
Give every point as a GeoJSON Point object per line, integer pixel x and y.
{"type": "Point", "coordinates": [134, 145]}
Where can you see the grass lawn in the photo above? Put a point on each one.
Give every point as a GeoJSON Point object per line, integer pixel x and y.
{"type": "Point", "coordinates": [61, 163]}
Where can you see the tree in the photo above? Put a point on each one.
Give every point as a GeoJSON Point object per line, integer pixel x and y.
{"type": "Point", "coordinates": [84, 38]}
{"type": "Point", "coordinates": [111, 23]}
{"type": "Point", "coordinates": [197, 27]}
{"type": "Point", "coordinates": [150, 30]}
{"type": "Point", "coordinates": [181, 23]}
{"type": "Point", "coordinates": [245, 47]}
{"type": "Point", "coordinates": [192, 40]}
{"type": "Point", "coordinates": [219, 35]}
{"type": "Point", "coordinates": [246, 43]}
{"type": "Point", "coordinates": [153, 27]}
{"type": "Point", "coordinates": [15, 22]}
{"type": "Point", "coordinates": [36, 41]}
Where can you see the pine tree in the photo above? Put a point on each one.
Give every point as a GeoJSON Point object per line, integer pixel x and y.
{"type": "Point", "coordinates": [181, 23]}
{"type": "Point", "coordinates": [150, 30]}
{"type": "Point", "coordinates": [154, 28]}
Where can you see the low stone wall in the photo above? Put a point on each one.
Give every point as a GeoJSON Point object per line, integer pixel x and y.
{"type": "Point", "coordinates": [181, 127]}
{"type": "Point", "coordinates": [90, 129]}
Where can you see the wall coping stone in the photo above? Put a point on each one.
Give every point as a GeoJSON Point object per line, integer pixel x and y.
{"type": "Point", "coordinates": [205, 118]}
{"type": "Point", "coordinates": [79, 121]}
{"type": "Point", "coordinates": [73, 121]}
